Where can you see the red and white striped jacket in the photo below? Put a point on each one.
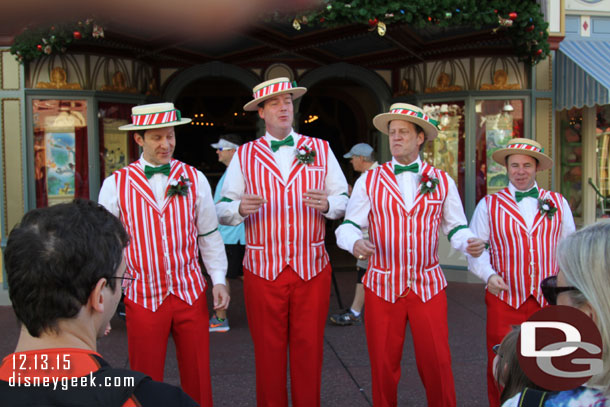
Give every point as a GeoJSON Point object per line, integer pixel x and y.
{"type": "Point", "coordinates": [163, 252]}
{"type": "Point", "coordinates": [284, 231]}
{"type": "Point", "coordinates": [523, 258]}
{"type": "Point", "coordinates": [406, 241]}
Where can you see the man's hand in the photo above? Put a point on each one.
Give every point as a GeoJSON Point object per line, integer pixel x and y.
{"type": "Point", "coordinates": [363, 249]}
{"type": "Point", "coordinates": [317, 199]}
{"type": "Point", "coordinates": [475, 246]}
{"type": "Point", "coordinates": [221, 296]}
{"type": "Point", "coordinates": [250, 204]}
{"type": "Point", "coordinates": [495, 284]}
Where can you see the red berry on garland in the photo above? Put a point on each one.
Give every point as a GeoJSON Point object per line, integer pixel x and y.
{"type": "Point", "coordinates": [373, 22]}
{"type": "Point", "coordinates": [512, 16]}
{"type": "Point", "coordinates": [496, 11]}
{"type": "Point", "coordinates": [530, 28]}
{"type": "Point", "coordinates": [77, 35]}
{"type": "Point", "coordinates": [322, 19]}
{"type": "Point", "coordinates": [538, 52]}
{"type": "Point", "coordinates": [39, 47]}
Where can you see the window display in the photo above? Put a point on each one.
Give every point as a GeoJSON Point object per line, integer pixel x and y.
{"type": "Point", "coordinates": [570, 125]}
{"type": "Point", "coordinates": [117, 148]}
{"type": "Point", "coordinates": [60, 150]}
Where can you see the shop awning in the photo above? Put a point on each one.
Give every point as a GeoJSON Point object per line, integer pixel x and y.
{"type": "Point", "coordinates": [583, 74]}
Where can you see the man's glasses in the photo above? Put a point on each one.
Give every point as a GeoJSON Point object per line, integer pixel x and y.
{"type": "Point", "coordinates": [126, 280]}
{"type": "Point", "coordinates": [551, 291]}
{"type": "Point", "coordinates": [496, 349]}
{"type": "Point", "coordinates": [224, 149]}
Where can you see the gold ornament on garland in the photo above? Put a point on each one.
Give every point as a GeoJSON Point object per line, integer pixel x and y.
{"type": "Point", "coordinates": [381, 28]}
{"type": "Point", "coordinates": [296, 24]}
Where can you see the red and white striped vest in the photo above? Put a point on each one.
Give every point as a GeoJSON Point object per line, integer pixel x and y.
{"type": "Point", "coordinates": [163, 251]}
{"type": "Point", "coordinates": [522, 258]}
{"type": "Point", "coordinates": [284, 232]}
{"type": "Point", "coordinates": [406, 242]}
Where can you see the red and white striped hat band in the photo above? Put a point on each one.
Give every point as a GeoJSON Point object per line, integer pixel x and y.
{"type": "Point", "coordinates": [273, 88]}
{"type": "Point", "coordinates": [148, 119]}
{"type": "Point", "coordinates": [525, 146]}
{"type": "Point", "coordinates": [420, 115]}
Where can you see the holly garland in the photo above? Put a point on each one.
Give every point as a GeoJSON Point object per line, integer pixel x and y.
{"type": "Point", "coordinates": [36, 42]}
{"type": "Point", "coordinates": [522, 19]}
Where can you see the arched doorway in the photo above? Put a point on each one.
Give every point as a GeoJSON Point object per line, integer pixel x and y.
{"type": "Point", "coordinates": [215, 105]}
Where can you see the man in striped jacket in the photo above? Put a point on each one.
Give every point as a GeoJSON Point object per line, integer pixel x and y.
{"type": "Point", "coordinates": [404, 203]}
{"type": "Point", "coordinates": [523, 225]}
{"type": "Point", "coordinates": [167, 208]}
{"type": "Point", "coordinates": [283, 186]}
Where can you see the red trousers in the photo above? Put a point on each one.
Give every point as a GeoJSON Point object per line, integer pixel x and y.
{"type": "Point", "coordinates": [287, 316]}
{"type": "Point", "coordinates": [147, 335]}
{"type": "Point", "coordinates": [385, 325]}
{"type": "Point", "coordinates": [500, 319]}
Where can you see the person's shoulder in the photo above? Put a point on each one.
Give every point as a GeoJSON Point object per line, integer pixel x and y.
{"type": "Point", "coordinates": [152, 393]}
{"type": "Point", "coordinates": [580, 396]}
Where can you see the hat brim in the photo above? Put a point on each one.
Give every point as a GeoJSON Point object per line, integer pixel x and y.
{"type": "Point", "coordinates": [381, 122]}
{"type": "Point", "coordinates": [348, 155]}
{"type": "Point", "coordinates": [252, 106]}
{"type": "Point", "coordinates": [544, 161]}
{"type": "Point", "coordinates": [128, 127]}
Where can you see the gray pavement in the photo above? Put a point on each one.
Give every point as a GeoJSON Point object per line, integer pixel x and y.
{"type": "Point", "coordinates": [346, 377]}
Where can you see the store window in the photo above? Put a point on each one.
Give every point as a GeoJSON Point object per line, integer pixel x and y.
{"type": "Point", "coordinates": [496, 122]}
{"type": "Point", "coordinates": [61, 167]}
{"type": "Point", "coordinates": [117, 148]}
{"type": "Point", "coordinates": [602, 185]}
{"type": "Point", "coordinates": [447, 150]}
{"type": "Point", "coordinates": [570, 137]}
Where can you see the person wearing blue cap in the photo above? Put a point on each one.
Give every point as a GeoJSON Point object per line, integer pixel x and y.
{"type": "Point", "coordinates": [362, 158]}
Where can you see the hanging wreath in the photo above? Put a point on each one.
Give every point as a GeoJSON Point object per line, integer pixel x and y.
{"type": "Point", "coordinates": [36, 42]}
{"type": "Point", "coordinates": [522, 19]}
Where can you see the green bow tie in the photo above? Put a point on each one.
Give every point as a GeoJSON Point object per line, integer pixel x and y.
{"type": "Point", "coordinates": [150, 171]}
{"type": "Point", "coordinates": [398, 169]}
{"type": "Point", "coordinates": [288, 141]}
{"type": "Point", "coordinates": [532, 193]}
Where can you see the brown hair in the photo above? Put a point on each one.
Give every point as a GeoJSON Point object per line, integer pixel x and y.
{"type": "Point", "coordinates": [508, 371]}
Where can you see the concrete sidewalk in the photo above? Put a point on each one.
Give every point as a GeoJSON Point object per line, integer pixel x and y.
{"type": "Point", "coordinates": [346, 377]}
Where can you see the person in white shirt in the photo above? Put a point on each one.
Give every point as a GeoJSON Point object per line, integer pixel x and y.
{"type": "Point", "coordinates": [167, 208]}
{"type": "Point", "coordinates": [523, 225]}
{"type": "Point", "coordinates": [283, 186]}
{"type": "Point", "coordinates": [404, 203]}
{"type": "Point", "coordinates": [362, 158]}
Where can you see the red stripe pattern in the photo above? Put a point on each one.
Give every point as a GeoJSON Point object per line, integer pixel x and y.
{"type": "Point", "coordinates": [408, 112]}
{"type": "Point", "coordinates": [406, 242]}
{"type": "Point", "coordinates": [523, 258]}
{"type": "Point", "coordinates": [284, 232]}
{"type": "Point", "coordinates": [524, 146]}
{"type": "Point", "coordinates": [274, 87]}
{"type": "Point", "coordinates": [163, 252]}
{"type": "Point", "coordinates": [154, 118]}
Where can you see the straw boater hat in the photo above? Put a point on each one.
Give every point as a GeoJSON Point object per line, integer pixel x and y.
{"type": "Point", "coordinates": [409, 113]}
{"type": "Point", "coordinates": [154, 116]}
{"type": "Point", "coordinates": [524, 146]}
{"type": "Point", "coordinates": [269, 89]}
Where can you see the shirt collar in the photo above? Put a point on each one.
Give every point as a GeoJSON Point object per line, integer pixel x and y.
{"type": "Point", "coordinates": [418, 161]}
{"type": "Point", "coordinates": [512, 188]}
{"type": "Point", "coordinates": [144, 163]}
{"type": "Point", "coordinates": [269, 138]}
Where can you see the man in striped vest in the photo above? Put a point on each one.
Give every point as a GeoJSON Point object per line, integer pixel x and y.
{"type": "Point", "coordinates": [404, 203]}
{"type": "Point", "coordinates": [523, 225]}
{"type": "Point", "coordinates": [167, 208]}
{"type": "Point", "coordinates": [283, 186]}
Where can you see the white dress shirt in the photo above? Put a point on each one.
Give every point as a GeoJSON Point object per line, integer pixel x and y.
{"type": "Point", "coordinates": [359, 206]}
{"type": "Point", "coordinates": [528, 208]}
{"type": "Point", "coordinates": [211, 246]}
{"type": "Point", "coordinates": [235, 186]}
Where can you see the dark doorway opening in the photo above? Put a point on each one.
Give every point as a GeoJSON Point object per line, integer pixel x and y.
{"type": "Point", "coordinates": [216, 107]}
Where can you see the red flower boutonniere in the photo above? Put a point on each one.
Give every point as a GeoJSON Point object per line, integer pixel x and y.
{"type": "Point", "coordinates": [179, 187]}
{"type": "Point", "coordinates": [546, 207]}
{"type": "Point", "coordinates": [428, 184]}
{"type": "Point", "coordinates": [305, 155]}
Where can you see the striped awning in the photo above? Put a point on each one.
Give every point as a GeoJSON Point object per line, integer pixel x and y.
{"type": "Point", "coordinates": [583, 74]}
